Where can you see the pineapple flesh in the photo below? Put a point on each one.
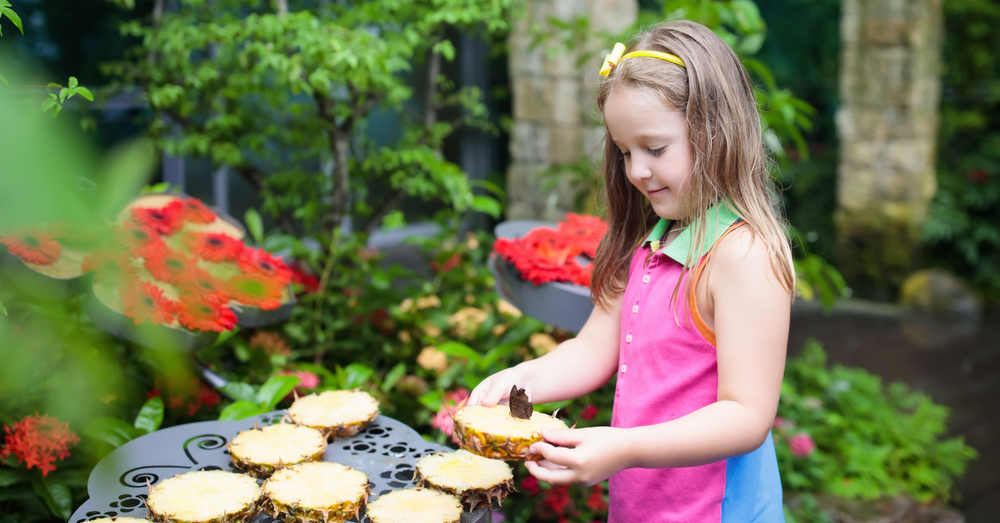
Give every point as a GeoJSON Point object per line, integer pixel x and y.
{"type": "Point", "coordinates": [493, 433]}
{"type": "Point", "coordinates": [415, 505]}
{"type": "Point", "coordinates": [317, 492]}
{"type": "Point", "coordinates": [335, 413]}
{"type": "Point", "coordinates": [204, 496]}
{"type": "Point", "coordinates": [477, 481]}
{"type": "Point", "coordinates": [260, 452]}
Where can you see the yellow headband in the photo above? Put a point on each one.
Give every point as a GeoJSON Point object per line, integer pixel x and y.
{"type": "Point", "coordinates": [615, 56]}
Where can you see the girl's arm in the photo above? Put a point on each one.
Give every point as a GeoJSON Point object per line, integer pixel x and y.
{"type": "Point", "coordinates": [575, 367]}
{"type": "Point", "coordinates": [751, 316]}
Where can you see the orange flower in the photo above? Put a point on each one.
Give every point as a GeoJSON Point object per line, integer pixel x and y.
{"type": "Point", "coordinates": [164, 220]}
{"type": "Point", "coordinates": [38, 441]}
{"type": "Point", "coordinates": [271, 343]}
{"type": "Point", "coordinates": [213, 246]}
{"type": "Point", "coordinates": [259, 261]}
{"type": "Point", "coordinates": [544, 255]}
{"type": "Point", "coordinates": [145, 302]}
{"type": "Point", "coordinates": [111, 267]}
{"type": "Point", "coordinates": [584, 231]}
{"type": "Point", "coordinates": [32, 245]}
{"type": "Point", "coordinates": [201, 284]}
{"type": "Point", "coordinates": [255, 290]}
{"type": "Point", "coordinates": [167, 265]}
{"type": "Point", "coordinates": [136, 238]}
{"type": "Point", "coordinates": [192, 210]}
{"type": "Point", "coordinates": [205, 315]}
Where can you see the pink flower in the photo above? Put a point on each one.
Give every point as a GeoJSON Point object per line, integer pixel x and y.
{"type": "Point", "coordinates": [307, 381]}
{"type": "Point", "coordinates": [442, 420]}
{"type": "Point", "coordinates": [588, 412]}
{"type": "Point", "coordinates": [802, 445]}
{"type": "Point", "coordinates": [782, 424]}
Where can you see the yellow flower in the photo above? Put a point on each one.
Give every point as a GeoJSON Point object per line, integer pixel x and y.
{"type": "Point", "coordinates": [470, 299]}
{"type": "Point", "coordinates": [404, 337]}
{"type": "Point", "coordinates": [507, 309]}
{"type": "Point", "coordinates": [432, 331]}
{"type": "Point", "coordinates": [542, 343]}
{"type": "Point", "coordinates": [427, 302]}
{"type": "Point", "coordinates": [432, 359]}
{"type": "Point", "coordinates": [499, 329]}
{"type": "Point", "coordinates": [467, 321]}
{"type": "Point", "coordinates": [471, 241]}
{"type": "Point", "coordinates": [406, 305]}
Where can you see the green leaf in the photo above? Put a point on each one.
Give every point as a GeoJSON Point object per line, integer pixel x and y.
{"type": "Point", "coordinates": [239, 391]}
{"type": "Point", "coordinates": [10, 477]}
{"type": "Point", "coordinates": [274, 390]}
{"type": "Point", "coordinates": [487, 205]}
{"type": "Point", "coordinates": [254, 225]}
{"type": "Point", "coordinates": [9, 13]}
{"type": "Point", "coordinates": [393, 376]}
{"type": "Point", "coordinates": [240, 410]}
{"type": "Point", "coordinates": [150, 415]}
{"type": "Point", "coordinates": [73, 82]}
{"type": "Point", "coordinates": [110, 430]}
{"type": "Point", "coordinates": [354, 375]}
{"type": "Point", "coordinates": [84, 92]}
{"type": "Point", "coordinates": [460, 350]}
{"type": "Point", "coordinates": [56, 495]}
{"type": "Point", "coordinates": [5, 82]}
{"type": "Point", "coordinates": [3, 309]}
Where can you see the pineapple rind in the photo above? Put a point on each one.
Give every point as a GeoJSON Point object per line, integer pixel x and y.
{"type": "Point", "coordinates": [471, 499]}
{"type": "Point", "coordinates": [326, 412]}
{"type": "Point", "coordinates": [496, 445]}
{"type": "Point", "coordinates": [336, 512]}
{"type": "Point", "coordinates": [415, 503]}
{"type": "Point", "coordinates": [118, 519]}
{"type": "Point", "coordinates": [217, 479]}
{"type": "Point", "coordinates": [476, 480]}
{"type": "Point", "coordinates": [255, 465]}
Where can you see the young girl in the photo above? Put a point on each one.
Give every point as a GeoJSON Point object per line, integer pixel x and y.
{"type": "Point", "coordinates": [692, 285]}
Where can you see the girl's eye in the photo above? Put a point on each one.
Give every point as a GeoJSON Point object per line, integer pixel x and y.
{"type": "Point", "coordinates": [657, 152]}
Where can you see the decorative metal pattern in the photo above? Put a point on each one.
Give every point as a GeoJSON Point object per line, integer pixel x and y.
{"type": "Point", "coordinates": [386, 451]}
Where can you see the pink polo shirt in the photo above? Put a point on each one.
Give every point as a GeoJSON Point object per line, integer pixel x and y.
{"type": "Point", "coordinates": [668, 369]}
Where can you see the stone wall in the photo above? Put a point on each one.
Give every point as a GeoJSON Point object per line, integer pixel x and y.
{"type": "Point", "coordinates": [555, 118]}
{"type": "Point", "coordinates": [887, 124]}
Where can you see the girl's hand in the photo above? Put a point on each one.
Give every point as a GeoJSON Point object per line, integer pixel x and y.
{"type": "Point", "coordinates": [589, 455]}
{"type": "Point", "coordinates": [496, 388]}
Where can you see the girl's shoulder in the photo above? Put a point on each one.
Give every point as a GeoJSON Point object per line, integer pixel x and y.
{"type": "Point", "coordinates": [742, 254]}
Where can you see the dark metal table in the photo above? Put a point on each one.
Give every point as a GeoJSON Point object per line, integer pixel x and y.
{"type": "Point", "coordinates": [386, 451]}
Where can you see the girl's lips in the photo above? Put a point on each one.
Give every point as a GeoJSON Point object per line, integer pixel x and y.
{"type": "Point", "coordinates": [661, 189]}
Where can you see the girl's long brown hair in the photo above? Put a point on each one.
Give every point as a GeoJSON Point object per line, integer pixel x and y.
{"type": "Point", "coordinates": [729, 163]}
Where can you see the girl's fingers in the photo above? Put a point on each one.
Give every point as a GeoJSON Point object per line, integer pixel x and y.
{"type": "Point", "coordinates": [564, 437]}
{"type": "Point", "coordinates": [494, 394]}
{"type": "Point", "coordinates": [561, 456]}
{"type": "Point", "coordinates": [475, 397]}
{"type": "Point", "coordinates": [547, 464]}
{"type": "Point", "coordinates": [560, 476]}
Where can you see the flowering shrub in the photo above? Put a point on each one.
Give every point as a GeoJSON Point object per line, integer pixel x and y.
{"type": "Point", "coordinates": [38, 441]}
{"type": "Point", "coordinates": [545, 254]}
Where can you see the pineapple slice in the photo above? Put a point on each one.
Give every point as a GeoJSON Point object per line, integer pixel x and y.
{"type": "Point", "coordinates": [476, 480]}
{"type": "Point", "coordinates": [260, 452]}
{"type": "Point", "coordinates": [493, 433]}
{"type": "Point", "coordinates": [120, 519]}
{"type": "Point", "coordinates": [335, 413]}
{"type": "Point", "coordinates": [415, 505]}
{"type": "Point", "coordinates": [204, 496]}
{"type": "Point", "coordinates": [316, 492]}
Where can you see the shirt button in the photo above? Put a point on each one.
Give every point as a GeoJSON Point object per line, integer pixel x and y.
{"type": "Point", "coordinates": [623, 368]}
{"type": "Point", "coordinates": [635, 309]}
{"type": "Point", "coordinates": [628, 338]}
{"type": "Point", "coordinates": [645, 279]}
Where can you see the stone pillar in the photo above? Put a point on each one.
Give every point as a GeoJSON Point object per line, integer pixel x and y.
{"type": "Point", "coordinates": [887, 124]}
{"type": "Point", "coordinates": [555, 117]}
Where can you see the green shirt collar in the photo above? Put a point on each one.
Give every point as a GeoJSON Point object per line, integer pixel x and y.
{"type": "Point", "coordinates": [720, 216]}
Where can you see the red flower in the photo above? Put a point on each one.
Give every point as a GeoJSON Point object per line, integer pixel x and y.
{"type": "Point", "coordinates": [213, 246]}
{"type": "Point", "coordinates": [558, 502]}
{"type": "Point", "coordinates": [202, 285]}
{"type": "Point", "coordinates": [260, 261]}
{"type": "Point", "coordinates": [584, 231]}
{"type": "Point", "coordinates": [32, 245]}
{"type": "Point", "coordinates": [300, 277]}
{"type": "Point", "coordinates": [39, 441]}
{"type": "Point", "coordinates": [187, 392]}
{"type": "Point", "coordinates": [530, 485]}
{"type": "Point", "coordinates": [145, 302]}
{"type": "Point", "coordinates": [168, 265]}
{"type": "Point", "coordinates": [978, 176]}
{"type": "Point", "coordinates": [448, 265]}
{"type": "Point", "coordinates": [802, 445]}
{"type": "Point", "coordinates": [111, 267]}
{"type": "Point", "coordinates": [192, 210]}
{"type": "Point", "coordinates": [588, 412]}
{"type": "Point", "coordinates": [255, 290]}
{"type": "Point", "coordinates": [136, 238]}
{"type": "Point", "coordinates": [544, 255]}
{"type": "Point", "coordinates": [596, 501]}
{"type": "Point", "coordinates": [271, 343]}
{"type": "Point", "coordinates": [164, 220]}
{"type": "Point", "coordinates": [205, 315]}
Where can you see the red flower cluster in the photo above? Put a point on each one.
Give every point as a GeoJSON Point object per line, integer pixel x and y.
{"type": "Point", "coordinates": [191, 393]}
{"type": "Point", "coordinates": [183, 292]}
{"type": "Point", "coordinates": [39, 441]}
{"type": "Point", "coordinates": [545, 254]}
{"type": "Point", "coordinates": [32, 245]}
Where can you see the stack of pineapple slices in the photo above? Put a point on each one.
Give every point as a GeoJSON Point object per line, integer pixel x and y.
{"type": "Point", "coordinates": [415, 505]}
{"type": "Point", "coordinates": [493, 433]}
{"type": "Point", "coordinates": [318, 492]}
{"type": "Point", "coordinates": [204, 496]}
{"type": "Point", "coordinates": [335, 413]}
{"type": "Point", "coordinates": [261, 451]}
{"type": "Point", "coordinates": [477, 481]}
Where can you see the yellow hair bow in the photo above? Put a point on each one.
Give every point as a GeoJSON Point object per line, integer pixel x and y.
{"type": "Point", "coordinates": [615, 56]}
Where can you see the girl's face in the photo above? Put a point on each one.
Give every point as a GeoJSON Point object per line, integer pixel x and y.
{"type": "Point", "coordinates": [654, 140]}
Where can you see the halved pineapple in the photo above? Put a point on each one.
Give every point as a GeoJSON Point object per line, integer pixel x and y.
{"type": "Point", "coordinates": [118, 520]}
{"type": "Point", "coordinates": [261, 451]}
{"type": "Point", "coordinates": [316, 492]}
{"type": "Point", "coordinates": [415, 505]}
{"type": "Point", "coordinates": [204, 496]}
{"type": "Point", "coordinates": [493, 433]}
{"type": "Point", "coordinates": [335, 413]}
{"type": "Point", "coordinates": [476, 480]}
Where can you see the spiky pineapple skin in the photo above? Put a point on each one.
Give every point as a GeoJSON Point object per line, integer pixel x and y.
{"type": "Point", "coordinates": [244, 516]}
{"type": "Point", "coordinates": [495, 446]}
{"type": "Point", "coordinates": [264, 471]}
{"type": "Point", "coordinates": [471, 499]}
{"type": "Point", "coordinates": [290, 513]}
{"type": "Point", "coordinates": [344, 431]}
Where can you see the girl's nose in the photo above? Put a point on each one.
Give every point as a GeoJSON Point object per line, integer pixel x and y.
{"type": "Point", "coordinates": [640, 169]}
